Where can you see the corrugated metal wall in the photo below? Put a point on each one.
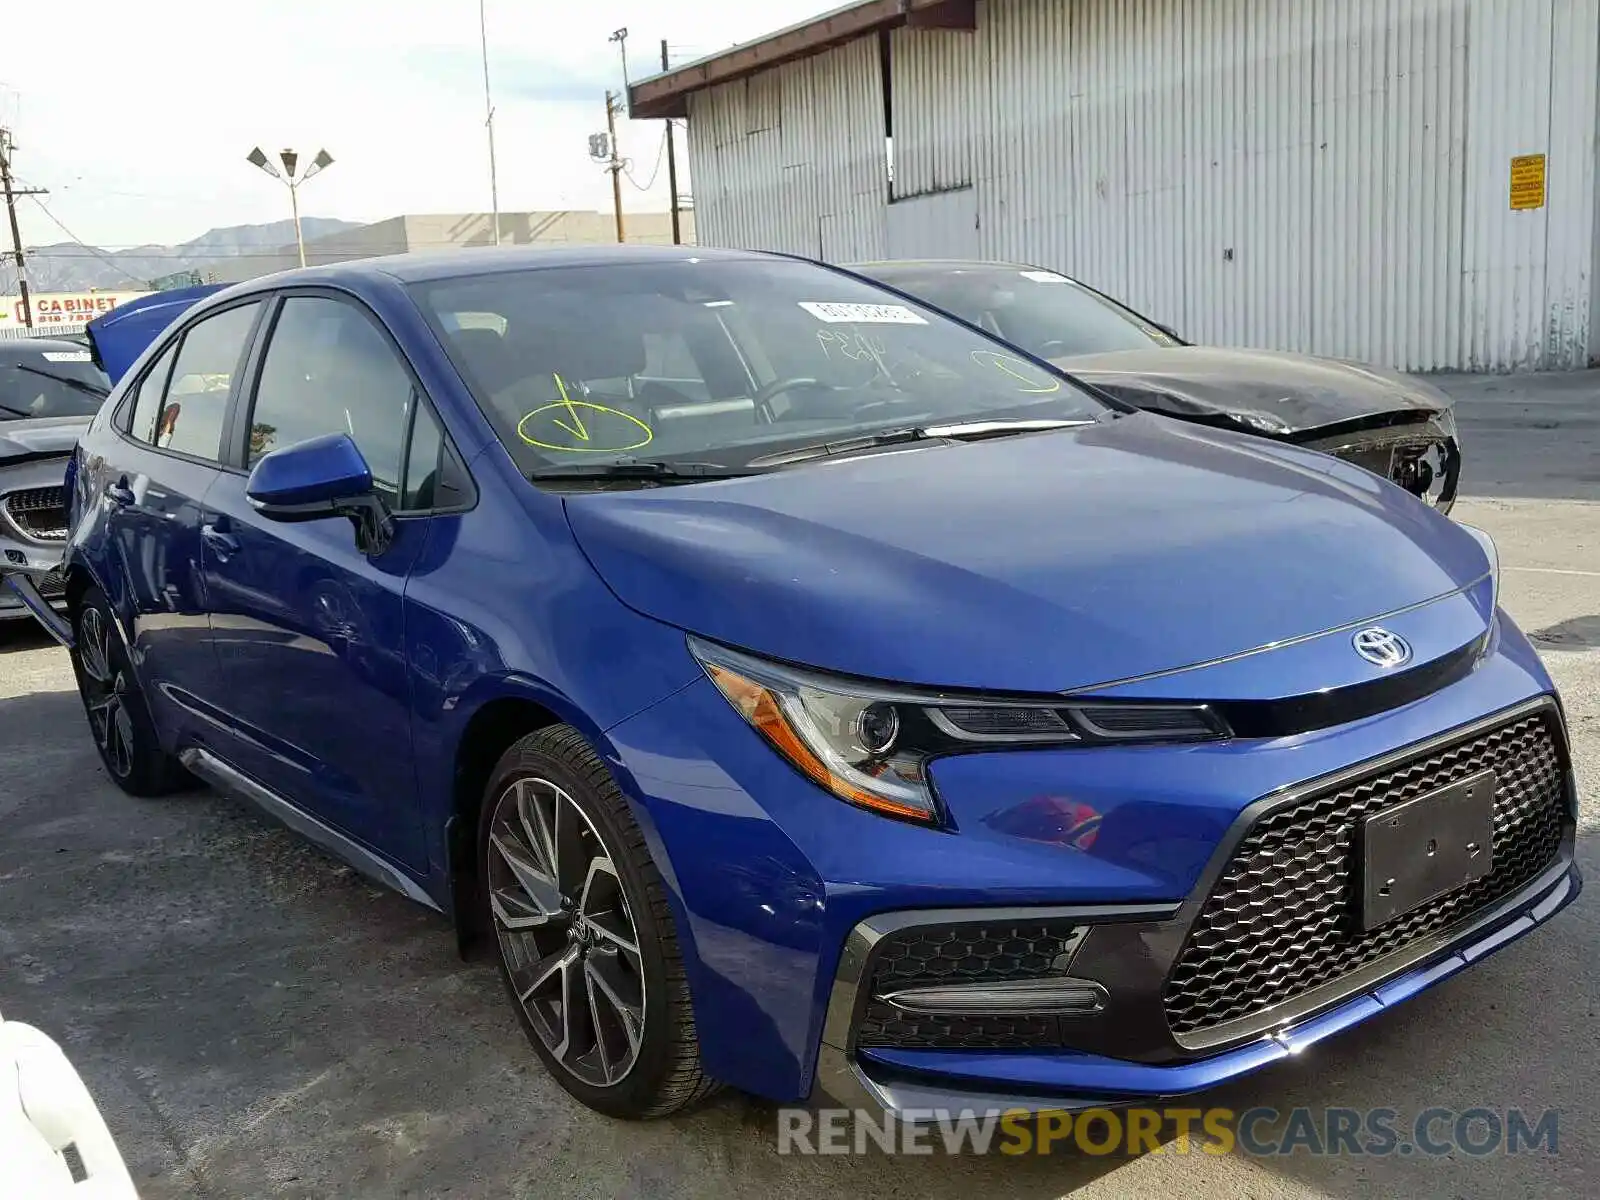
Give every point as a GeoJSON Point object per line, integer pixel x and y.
{"type": "Point", "coordinates": [1329, 176]}
{"type": "Point", "coordinates": [793, 159]}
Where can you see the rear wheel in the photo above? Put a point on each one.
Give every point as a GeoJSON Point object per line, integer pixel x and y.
{"type": "Point", "coordinates": [587, 946]}
{"type": "Point", "coordinates": [119, 719]}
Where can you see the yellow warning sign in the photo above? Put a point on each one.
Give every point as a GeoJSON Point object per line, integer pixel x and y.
{"type": "Point", "coordinates": [1527, 181]}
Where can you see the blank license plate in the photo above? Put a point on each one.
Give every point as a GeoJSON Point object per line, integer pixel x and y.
{"type": "Point", "coordinates": [1425, 847]}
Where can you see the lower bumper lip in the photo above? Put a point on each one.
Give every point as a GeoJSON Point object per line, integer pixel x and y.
{"type": "Point", "coordinates": [917, 1085]}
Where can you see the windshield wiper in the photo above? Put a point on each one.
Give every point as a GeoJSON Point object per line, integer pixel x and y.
{"type": "Point", "coordinates": [890, 437]}
{"type": "Point", "coordinates": [972, 431]}
{"type": "Point", "coordinates": [79, 384]}
{"type": "Point", "coordinates": [958, 431]}
{"type": "Point", "coordinates": [639, 469]}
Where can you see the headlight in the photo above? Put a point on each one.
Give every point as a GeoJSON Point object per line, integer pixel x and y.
{"type": "Point", "coordinates": [1445, 419]}
{"type": "Point", "coordinates": [870, 744]}
{"type": "Point", "coordinates": [1489, 548]}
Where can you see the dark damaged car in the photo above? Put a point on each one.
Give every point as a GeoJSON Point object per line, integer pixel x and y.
{"type": "Point", "coordinates": [49, 389]}
{"type": "Point", "coordinates": [1388, 422]}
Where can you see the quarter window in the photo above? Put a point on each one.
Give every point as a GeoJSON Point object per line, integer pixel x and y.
{"type": "Point", "coordinates": [196, 403]}
{"type": "Point", "coordinates": [423, 463]}
{"type": "Point", "coordinates": [147, 400]}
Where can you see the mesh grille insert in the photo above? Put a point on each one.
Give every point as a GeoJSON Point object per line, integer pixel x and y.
{"type": "Point", "coordinates": [1283, 917]}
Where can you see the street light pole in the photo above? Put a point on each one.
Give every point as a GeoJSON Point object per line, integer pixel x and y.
{"type": "Point", "coordinates": [294, 205]}
{"type": "Point", "coordinates": [291, 160]}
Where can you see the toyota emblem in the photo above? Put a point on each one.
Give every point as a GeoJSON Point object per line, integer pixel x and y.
{"type": "Point", "coordinates": [1382, 648]}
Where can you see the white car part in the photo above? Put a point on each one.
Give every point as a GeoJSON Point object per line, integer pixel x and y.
{"type": "Point", "coordinates": [54, 1144]}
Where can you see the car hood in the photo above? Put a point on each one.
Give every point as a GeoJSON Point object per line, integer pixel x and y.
{"type": "Point", "coordinates": [1260, 390]}
{"type": "Point", "coordinates": [39, 437]}
{"type": "Point", "coordinates": [1033, 563]}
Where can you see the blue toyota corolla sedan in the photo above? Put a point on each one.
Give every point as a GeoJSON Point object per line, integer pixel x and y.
{"type": "Point", "coordinates": [800, 689]}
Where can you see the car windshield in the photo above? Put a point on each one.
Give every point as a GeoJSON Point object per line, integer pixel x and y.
{"type": "Point", "coordinates": [721, 362]}
{"type": "Point", "coordinates": [1043, 312]}
{"type": "Point", "coordinates": [49, 383]}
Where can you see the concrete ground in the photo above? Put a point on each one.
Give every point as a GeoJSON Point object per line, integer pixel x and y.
{"type": "Point", "coordinates": [256, 1020]}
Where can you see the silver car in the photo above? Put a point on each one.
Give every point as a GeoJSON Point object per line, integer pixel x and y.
{"type": "Point", "coordinates": [49, 390]}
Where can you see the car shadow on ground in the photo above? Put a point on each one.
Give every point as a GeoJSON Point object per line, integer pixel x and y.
{"type": "Point", "coordinates": [1575, 633]}
{"type": "Point", "coordinates": [23, 634]}
{"type": "Point", "coordinates": [256, 1019]}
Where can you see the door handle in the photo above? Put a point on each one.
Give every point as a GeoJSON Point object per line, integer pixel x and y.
{"type": "Point", "coordinates": [120, 493]}
{"type": "Point", "coordinates": [223, 545]}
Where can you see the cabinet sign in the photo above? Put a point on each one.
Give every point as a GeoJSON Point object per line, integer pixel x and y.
{"type": "Point", "coordinates": [1527, 181]}
{"type": "Point", "coordinates": [58, 310]}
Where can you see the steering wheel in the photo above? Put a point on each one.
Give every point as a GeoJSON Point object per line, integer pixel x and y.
{"type": "Point", "coordinates": [769, 392]}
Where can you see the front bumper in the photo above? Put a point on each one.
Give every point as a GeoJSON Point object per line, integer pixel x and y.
{"type": "Point", "coordinates": [35, 593]}
{"type": "Point", "coordinates": [916, 1085]}
{"type": "Point", "coordinates": [32, 540]}
{"type": "Point", "coordinates": [1265, 957]}
{"type": "Point", "coordinates": [769, 877]}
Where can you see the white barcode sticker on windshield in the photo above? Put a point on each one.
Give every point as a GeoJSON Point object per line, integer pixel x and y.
{"type": "Point", "coordinates": [66, 356]}
{"type": "Point", "coordinates": [1045, 277]}
{"type": "Point", "coordinates": [865, 314]}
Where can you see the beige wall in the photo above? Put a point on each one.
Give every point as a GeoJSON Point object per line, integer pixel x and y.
{"type": "Point", "coordinates": [440, 231]}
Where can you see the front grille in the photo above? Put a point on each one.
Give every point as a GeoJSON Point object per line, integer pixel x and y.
{"type": "Point", "coordinates": [935, 954]}
{"type": "Point", "coordinates": [39, 513]}
{"type": "Point", "coordinates": [1283, 917]}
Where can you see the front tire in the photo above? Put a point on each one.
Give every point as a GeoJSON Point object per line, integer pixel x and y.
{"type": "Point", "coordinates": [119, 719]}
{"type": "Point", "coordinates": [586, 941]}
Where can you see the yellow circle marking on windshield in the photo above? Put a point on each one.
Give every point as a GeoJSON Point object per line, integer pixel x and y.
{"type": "Point", "coordinates": [1001, 362]}
{"type": "Point", "coordinates": [596, 430]}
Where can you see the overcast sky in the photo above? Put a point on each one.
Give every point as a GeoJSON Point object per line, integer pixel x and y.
{"type": "Point", "coordinates": [138, 116]}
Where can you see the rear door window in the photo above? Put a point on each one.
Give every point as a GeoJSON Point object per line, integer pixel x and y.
{"type": "Point", "coordinates": [196, 403]}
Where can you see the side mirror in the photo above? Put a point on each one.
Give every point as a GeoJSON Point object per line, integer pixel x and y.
{"type": "Point", "coordinates": [319, 478]}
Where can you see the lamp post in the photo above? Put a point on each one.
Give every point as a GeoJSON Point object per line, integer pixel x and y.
{"type": "Point", "coordinates": [287, 177]}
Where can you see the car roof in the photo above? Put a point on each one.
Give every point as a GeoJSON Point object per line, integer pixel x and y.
{"type": "Point", "coordinates": [423, 266]}
{"type": "Point", "coordinates": [948, 264]}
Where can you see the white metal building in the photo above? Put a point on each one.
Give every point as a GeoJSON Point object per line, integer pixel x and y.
{"type": "Point", "coordinates": [1408, 182]}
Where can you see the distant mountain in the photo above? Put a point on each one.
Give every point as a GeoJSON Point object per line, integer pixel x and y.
{"type": "Point", "coordinates": [69, 267]}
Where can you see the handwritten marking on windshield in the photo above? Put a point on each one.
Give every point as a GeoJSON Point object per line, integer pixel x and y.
{"type": "Point", "coordinates": [1010, 365]}
{"type": "Point", "coordinates": [855, 346]}
{"type": "Point", "coordinates": [577, 428]}
{"type": "Point", "coordinates": [605, 431]}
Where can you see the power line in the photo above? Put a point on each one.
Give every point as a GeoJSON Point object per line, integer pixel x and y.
{"type": "Point", "coordinates": [7, 147]}
{"type": "Point", "coordinates": [101, 255]}
{"type": "Point", "coordinates": [661, 153]}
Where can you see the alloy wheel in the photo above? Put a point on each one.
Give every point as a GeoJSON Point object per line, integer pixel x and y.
{"type": "Point", "coordinates": [105, 694]}
{"type": "Point", "coordinates": [566, 931]}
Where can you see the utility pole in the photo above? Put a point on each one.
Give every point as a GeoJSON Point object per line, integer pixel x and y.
{"type": "Point", "coordinates": [616, 161]}
{"type": "Point", "coordinates": [488, 104]}
{"type": "Point", "coordinates": [7, 146]}
{"type": "Point", "coordinates": [672, 162]}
